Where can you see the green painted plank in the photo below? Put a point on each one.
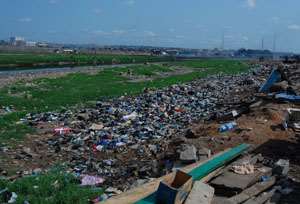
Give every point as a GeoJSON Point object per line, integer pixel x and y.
{"type": "Point", "coordinates": [206, 168]}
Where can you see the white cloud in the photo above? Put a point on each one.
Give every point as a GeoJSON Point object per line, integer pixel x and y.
{"type": "Point", "coordinates": [99, 32]}
{"type": "Point", "coordinates": [179, 36]}
{"type": "Point", "coordinates": [52, 31]}
{"type": "Point", "coordinates": [294, 27]}
{"type": "Point", "coordinates": [275, 19]}
{"type": "Point", "coordinates": [97, 11]}
{"type": "Point", "coordinates": [245, 38]}
{"type": "Point", "coordinates": [150, 33]}
{"type": "Point", "coordinates": [228, 36]}
{"type": "Point", "coordinates": [118, 32]}
{"type": "Point", "coordinates": [25, 20]}
{"type": "Point", "coordinates": [251, 3]}
{"type": "Point", "coordinates": [53, 1]}
{"type": "Point", "coordinates": [106, 33]}
{"type": "Point", "coordinates": [171, 30]}
{"type": "Point", "coordinates": [130, 2]}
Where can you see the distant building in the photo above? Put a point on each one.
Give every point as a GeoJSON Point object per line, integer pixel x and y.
{"type": "Point", "coordinates": [156, 52]}
{"type": "Point", "coordinates": [69, 51]}
{"type": "Point", "coordinates": [17, 41]}
{"type": "Point", "coordinates": [254, 54]}
{"type": "Point", "coordinates": [40, 44]}
{"type": "Point", "coordinates": [31, 44]}
{"type": "Point", "coordinates": [172, 52]}
{"type": "Point", "coordinates": [3, 42]}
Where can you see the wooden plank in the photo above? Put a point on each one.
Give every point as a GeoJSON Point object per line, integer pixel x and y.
{"type": "Point", "coordinates": [253, 191]}
{"type": "Point", "coordinates": [262, 198]}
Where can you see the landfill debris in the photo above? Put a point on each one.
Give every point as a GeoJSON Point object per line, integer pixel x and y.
{"type": "Point", "coordinates": [91, 180]}
{"type": "Point", "coordinates": [62, 131]}
{"type": "Point", "coordinates": [201, 193]}
{"type": "Point", "coordinates": [176, 190]}
{"type": "Point", "coordinates": [13, 198]}
{"type": "Point", "coordinates": [243, 169]}
{"type": "Point", "coordinates": [292, 119]}
{"type": "Point", "coordinates": [131, 116]}
{"type": "Point", "coordinates": [128, 141]}
{"type": "Point", "coordinates": [204, 154]}
{"type": "Point", "coordinates": [188, 154]}
{"type": "Point", "coordinates": [282, 167]}
{"type": "Point", "coordinates": [140, 127]}
{"type": "Point", "coordinates": [101, 198]}
{"type": "Point", "coordinates": [227, 127]}
{"type": "Point", "coordinates": [96, 126]}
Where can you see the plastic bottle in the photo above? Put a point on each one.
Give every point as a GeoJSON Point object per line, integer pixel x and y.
{"type": "Point", "coordinates": [227, 127]}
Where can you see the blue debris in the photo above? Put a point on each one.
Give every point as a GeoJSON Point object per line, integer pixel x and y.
{"type": "Point", "coordinates": [274, 77]}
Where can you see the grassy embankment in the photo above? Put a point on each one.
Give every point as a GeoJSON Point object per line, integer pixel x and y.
{"type": "Point", "coordinates": [20, 61]}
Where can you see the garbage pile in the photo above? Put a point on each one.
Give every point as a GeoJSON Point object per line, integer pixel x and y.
{"type": "Point", "coordinates": [128, 140]}
{"type": "Point", "coordinates": [283, 84]}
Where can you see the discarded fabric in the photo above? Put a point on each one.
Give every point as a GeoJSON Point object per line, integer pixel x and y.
{"type": "Point", "coordinates": [91, 180]}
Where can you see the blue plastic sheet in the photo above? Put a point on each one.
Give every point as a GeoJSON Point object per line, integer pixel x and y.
{"type": "Point", "coordinates": [274, 77]}
{"type": "Point", "coordinates": [287, 97]}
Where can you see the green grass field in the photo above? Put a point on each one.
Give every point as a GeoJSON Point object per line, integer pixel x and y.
{"type": "Point", "coordinates": [32, 60]}
{"type": "Point", "coordinates": [47, 94]}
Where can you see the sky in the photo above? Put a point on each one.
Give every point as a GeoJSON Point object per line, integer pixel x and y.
{"type": "Point", "coordinates": [169, 23]}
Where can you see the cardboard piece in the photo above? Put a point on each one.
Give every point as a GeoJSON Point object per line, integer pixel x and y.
{"type": "Point", "coordinates": [174, 190]}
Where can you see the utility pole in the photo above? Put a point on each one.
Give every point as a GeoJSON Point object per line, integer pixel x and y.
{"type": "Point", "coordinates": [223, 41]}
{"type": "Point", "coordinates": [262, 43]}
{"type": "Point", "coordinates": [274, 42]}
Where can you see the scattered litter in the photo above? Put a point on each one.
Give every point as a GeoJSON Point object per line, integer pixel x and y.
{"type": "Point", "coordinates": [227, 127]}
{"type": "Point", "coordinates": [62, 131]}
{"type": "Point", "coordinates": [131, 116]}
{"type": "Point", "coordinates": [282, 167]}
{"type": "Point", "coordinates": [101, 198]}
{"type": "Point", "coordinates": [265, 178]}
{"type": "Point", "coordinates": [243, 169]}
{"type": "Point", "coordinates": [91, 180]}
{"type": "Point", "coordinates": [96, 126]}
{"type": "Point", "coordinates": [188, 154]}
{"type": "Point", "coordinates": [292, 119]}
{"type": "Point", "coordinates": [13, 198]}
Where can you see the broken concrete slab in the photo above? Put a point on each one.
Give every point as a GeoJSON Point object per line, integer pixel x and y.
{"type": "Point", "coordinates": [201, 193]}
{"type": "Point", "coordinates": [188, 154]}
{"type": "Point", "coordinates": [220, 200]}
{"type": "Point", "coordinates": [236, 182]}
{"type": "Point", "coordinates": [253, 191]}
